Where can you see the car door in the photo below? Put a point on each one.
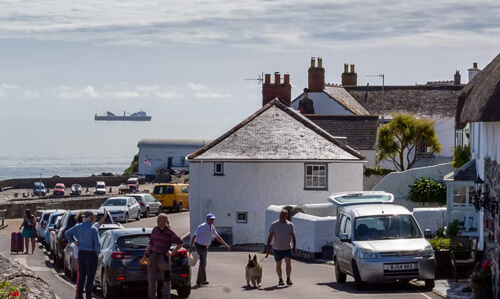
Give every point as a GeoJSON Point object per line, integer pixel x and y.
{"type": "Point", "coordinates": [155, 203]}
{"type": "Point", "coordinates": [348, 247]}
{"type": "Point", "coordinates": [136, 207]}
{"type": "Point", "coordinates": [338, 246]}
{"type": "Point", "coordinates": [100, 260]}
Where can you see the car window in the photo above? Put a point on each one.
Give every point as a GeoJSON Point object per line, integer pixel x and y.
{"type": "Point", "coordinates": [184, 189]}
{"type": "Point", "coordinates": [108, 219]}
{"type": "Point", "coordinates": [342, 225]}
{"type": "Point", "coordinates": [168, 190]}
{"type": "Point", "coordinates": [150, 198]}
{"type": "Point", "coordinates": [337, 227]}
{"type": "Point", "coordinates": [71, 221]}
{"type": "Point", "coordinates": [387, 227]}
{"type": "Point", "coordinates": [134, 242]}
{"type": "Point", "coordinates": [46, 216]}
{"type": "Point", "coordinates": [115, 202]}
{"type": "Point", "coordinates": [348, 228]}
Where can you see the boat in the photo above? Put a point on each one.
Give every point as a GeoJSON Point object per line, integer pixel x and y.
{"type": "Point", "coordinates": [136, 116]}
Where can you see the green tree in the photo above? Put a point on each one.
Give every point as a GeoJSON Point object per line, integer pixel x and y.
{"type": "Point", "coordinates": [134, 166]}
{"type": "Point", "coordinates": [399, 140]}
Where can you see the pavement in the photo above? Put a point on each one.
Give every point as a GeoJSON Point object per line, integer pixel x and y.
{"type": "Point", "coordinates": [445, 288]}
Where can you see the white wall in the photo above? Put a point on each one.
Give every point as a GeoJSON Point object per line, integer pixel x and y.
{"type": "Point", "coordinates": [158, 157]}
{"type": "Point", "coordinates": [398, 183]}
{"type": "Point", "coordinates": [485, 143]}
{"type": "Point", "coordinates": [324, 104]}
{"type": "Point", "coordinates": [371, 157]}
{"type": "Point", "coordinates": [252, 187]}
{"type": "Point", "coordinates": [445, 131]}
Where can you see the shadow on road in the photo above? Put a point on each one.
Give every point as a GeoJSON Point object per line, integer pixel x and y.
{"type": "Point", "coordinates": [394, 287]}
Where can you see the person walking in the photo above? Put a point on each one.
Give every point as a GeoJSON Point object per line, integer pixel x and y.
{"type": "Point", "coordinates": [89, 245]}
{"type": "Point", "coordinates": [79, 220]}
{"type": "Point", "coordinates": [29, 231]}
{"type": "Point", "coordinates": [158, 252]}
{"type": "Point", "coordinates": [201, 240]}
{"type": "Point", "coordinates": [283, 233]}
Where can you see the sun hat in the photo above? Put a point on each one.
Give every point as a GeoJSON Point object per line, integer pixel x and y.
{"type": "Point", "coordinates": [87, 214]}
{"type": "Point", "coordinates": [210, 216]}
{"type": "Point", "coordinates": [193, 258]}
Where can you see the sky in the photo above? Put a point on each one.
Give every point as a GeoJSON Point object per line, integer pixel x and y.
{"type": "Point", "coordinates": [185, 62]}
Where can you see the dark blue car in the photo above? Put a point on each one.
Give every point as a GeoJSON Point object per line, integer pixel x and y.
{"type": "Point", "coordinates": [119, 266]}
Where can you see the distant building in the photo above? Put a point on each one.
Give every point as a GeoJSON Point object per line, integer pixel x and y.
{"type": "Point", "coordinates": [155, 154]}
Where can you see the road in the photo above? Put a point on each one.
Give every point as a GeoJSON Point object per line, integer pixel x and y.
{"type": "Point", "coordinates": [226, 274]}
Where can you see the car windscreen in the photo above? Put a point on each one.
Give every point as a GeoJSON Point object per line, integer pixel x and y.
{"type": "Point", "coordinates": [101, 186]}
{"type": "Point", "coordinates": [115, 202]}
{"type": "Point", "coordinates": [108, 220]}
{"type": "Point", "coordinates": [386, 227]}
{"type": "Point", "coordinates": [46, 216]}
{"type": "Point", "coordinates": [133, 242]}
{"type": "Point", "coordinates": [71, 221]}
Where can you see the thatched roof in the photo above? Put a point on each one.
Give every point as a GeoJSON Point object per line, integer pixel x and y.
{"type": "Point", "coordinates": [480, 99]}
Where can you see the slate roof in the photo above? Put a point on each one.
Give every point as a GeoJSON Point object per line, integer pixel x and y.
{"type": "Point", "coordinates": [423, 101]}
{"type": "Point", "coordinates": [361, 131]}
{"type": "Point", "coordinates": [480, 99]}
{"type": "Point", "coordinates": [339, 94]}
{"type": "Point", "coordinates": [276, 132]}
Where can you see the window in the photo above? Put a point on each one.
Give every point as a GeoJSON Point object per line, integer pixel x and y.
{"type": "Point", "coordinates": [219, 168]}
{"type": "Point", "coordinates": [337, 229]}
{"type": "Point", "coordinates": [183, 160]}
{"type": "Point", "coordinates": [241, 217]}
{"type": "Point", "coordinates": [184, 189]}
{"type": "Point", "coordinates": [316, 176]}
{"type": "Point", "coordinates": [348, 228]}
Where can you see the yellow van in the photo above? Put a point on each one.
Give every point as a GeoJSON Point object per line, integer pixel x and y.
{"type": "Point", "coordinates": [172, 196]}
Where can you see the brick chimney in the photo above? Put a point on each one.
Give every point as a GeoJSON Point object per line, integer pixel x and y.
{"type": "Point", "coordinates": [306, 105]}
{"type": "Point", "coordinates": [349, 78]}
{"type": "Point", "coordinates": [457, 78]}
{"type": "Point", "coordinates": [280, 90]}
{"type": "Point", "coordinates": [316, 76]}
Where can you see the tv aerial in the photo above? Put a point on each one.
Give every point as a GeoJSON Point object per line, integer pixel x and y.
{"type": "Point", "coordinates": [260, 78]}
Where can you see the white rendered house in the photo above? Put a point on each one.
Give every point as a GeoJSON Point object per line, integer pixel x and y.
{"type": "Point", "coordinates": [276, 156]}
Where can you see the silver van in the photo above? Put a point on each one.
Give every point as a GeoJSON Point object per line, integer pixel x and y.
{"type": "Point", "coordinates": [377, 241]}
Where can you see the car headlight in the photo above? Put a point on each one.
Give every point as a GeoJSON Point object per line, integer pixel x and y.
{"type": "Point", "coordinates": [367, 254]}
{"type": "Point", "coordinates": [428, 251]}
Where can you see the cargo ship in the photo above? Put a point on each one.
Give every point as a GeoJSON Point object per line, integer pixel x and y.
{"type": "Point", "coordinates": [136, 116]}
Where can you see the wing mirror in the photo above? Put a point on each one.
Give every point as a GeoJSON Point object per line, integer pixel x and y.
{"type": "Point", "coordinates": [344, 238]}
{"type": "Point", "coordinates": [428, 234]}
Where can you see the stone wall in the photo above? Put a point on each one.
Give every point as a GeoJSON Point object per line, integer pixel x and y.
{"type": "Point", "coordinates": [492, 224]}
{"type": "Point", "coordinates": [16, 209]}
{"type": "Point", "coordinates": [20, 276]}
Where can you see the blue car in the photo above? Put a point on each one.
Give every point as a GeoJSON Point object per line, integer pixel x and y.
{"type": "Point", "coordinates": [39, 189]}
{"type": "Point", "coordinates": [42, 224]}
{"type": "Point", "coordinates": [49, 227]}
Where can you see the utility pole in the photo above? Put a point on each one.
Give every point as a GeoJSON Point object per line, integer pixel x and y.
{"type": "Point", "coordinates": [383, 91]}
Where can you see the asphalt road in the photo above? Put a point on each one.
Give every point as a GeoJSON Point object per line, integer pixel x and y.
{"type": "Point", "coordinates": [226, 274]}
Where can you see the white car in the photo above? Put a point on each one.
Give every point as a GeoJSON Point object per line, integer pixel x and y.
{"type": "Point", "coordinates": [100, 187]}
{"type": "Point", "coordinates": [122, 208]}
{"type": "Point", "coordinates": [377, 241]}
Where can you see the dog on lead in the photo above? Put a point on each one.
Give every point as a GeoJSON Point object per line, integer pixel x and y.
{"type": "Point", "coordinates": [253, 271]}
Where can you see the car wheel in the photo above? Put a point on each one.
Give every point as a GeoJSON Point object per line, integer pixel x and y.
{"type": "Point", "coordinates": [108, 291]}
{"type": "Point", "coordinates": [179, 207]}
{"type": "Point", "coordinates": [184, 291]}
{"type": "Point", "coordinates": [358, 282]}
{"type": "Point", "coordinates": [339, 275]}
{"type": "Point", "coordinates": [126, 217]}
{"type": "Point", "coordinates": [138, 215]}
{"type": "Point", "coordinates": [429, 284]}
{"type": "Point", "coordinates": [147, 213]}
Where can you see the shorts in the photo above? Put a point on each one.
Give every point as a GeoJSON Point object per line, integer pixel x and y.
{"type": "Point", "coordinates": [281, 254]}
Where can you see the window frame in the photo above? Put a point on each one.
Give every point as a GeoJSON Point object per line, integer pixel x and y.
{"type": "Point", "coordinates": [306, 187]}
{"type": "Point", "coordinates": [221, 172]}
{"type": "Point", "coordinates": [242, 221]}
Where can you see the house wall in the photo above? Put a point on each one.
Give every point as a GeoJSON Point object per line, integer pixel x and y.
{"type": "Point", "coordinates": [324, 104]}
{"type": "Point", "coordinates": [158, 157]}
{"type": "Point", "coordinates": [371, 157]}
{"type": "Point", "coordinates": [445, 131]}
{"type": "Point", "coordinates": [485, 144]}
{"type": "Point", "coordinates": [492, 222]}
{"type": "Point", "coordinates": [251, 187]}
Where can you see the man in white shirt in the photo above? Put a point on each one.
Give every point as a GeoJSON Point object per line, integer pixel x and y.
{"type": "Point", "coordinates": [201, 240]}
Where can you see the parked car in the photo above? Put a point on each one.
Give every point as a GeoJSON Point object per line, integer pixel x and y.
{"type": "Point", "coordinates": [59, 189]}
{"type": "Point", "coordinates": [173, 197]}
{"type": "Point", "coordinates": [133, 184]}
{"type": "Point", "coordinates": [148, 204]}
{"type": "Point", "coordinates": [53, 234]}
{"type": "Point", "coordinates": [70, 266]}
{"type": "Point", "coordinates": [76, 189]}
{"type": "Point", "coordinates": [43, 224]}
{"type": "Point", "coordinates": [50, 227]}
{"type": "Point", "coordinates": [119, 263]}
{"type": "Point", "coordinates": [122, 208]}
{"type": "Point", "coordinates": [39, 189]}
{"type": "Point", "coordinates": [377, 241]}
{"type": "Point", "coordinates": [100, 187]}
{"type": "Point", "coordinates": [68, 221]}
{"type": "Point", "coordinates": [123, 188]}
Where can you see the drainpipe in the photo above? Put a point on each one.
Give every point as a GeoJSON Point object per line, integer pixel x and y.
{"type": "Point", "coordinates": [201, 189]}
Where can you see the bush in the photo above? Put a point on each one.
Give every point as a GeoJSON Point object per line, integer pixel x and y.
{"type": "Point", "coordinates": [440, 243]}
{"type": "Point", "coordinates": [461, 155]}
{"type": "Point", "coordinates": [453, 229]}
{"type": "Point", "coordinates": [427, 191]}
{"type": "Point", "coordinates": [134, 166]}
{"type": "Point", "coordinates": [7, 290]}
{"type": "Point", "coordinates": [369, 171]}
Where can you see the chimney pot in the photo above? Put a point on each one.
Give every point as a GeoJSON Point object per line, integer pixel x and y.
{"type": "Point", "coordinates": [474, 65]}
{"type": "Point", "coordinates": [320, 62]}
{"type": "Point", "coordinates": [313, 62]}
{"type": "Point", "coordinates": [277, 79]}
{"type": "Point", "coordinates": [287, 79]}
{"type": "Point", "coordinates": [346, 68]}
{"type": "Point", "coordinates": [352, 68]}
{"type": "Point", "coordinates": [267, 79]}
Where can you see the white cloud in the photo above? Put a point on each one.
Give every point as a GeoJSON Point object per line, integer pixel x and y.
{"type": "Point", "coordinates": [213, 95]}
{"type": "Point", "coordinates": [196, 87]}
{"type": "Point", "coordinates": [124, 91]}
{"type": "Point", "coordinates": [31, 95]}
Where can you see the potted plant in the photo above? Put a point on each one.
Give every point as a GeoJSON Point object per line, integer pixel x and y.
{"type": "Point", "coordinates": [481, 281]}
{"type": "Point", "coordinates": [442, 248]}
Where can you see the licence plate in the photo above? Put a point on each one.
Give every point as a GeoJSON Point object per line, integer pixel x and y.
{"type": "Point", "coordinates": [396, 267]}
